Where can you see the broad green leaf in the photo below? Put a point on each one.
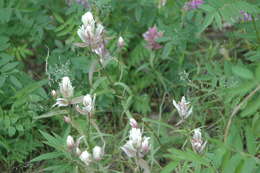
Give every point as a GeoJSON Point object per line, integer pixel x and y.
{"type": "Point", "coordinates": [242, 72]}
{"type": "Point", "coordinates": [9, 67]}
{"type": "Point", "coordinates": [249, 165]}
{"type": "Point", "coordinates": [233, 163]}
{"type": "Point", "coordinates": [251, 107]}
{"type": "Point", "coordinates": [167, 50]}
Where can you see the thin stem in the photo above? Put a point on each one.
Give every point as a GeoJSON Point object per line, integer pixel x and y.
{"type": "Point", "coordinates": [106, 74]}
{"type": "Point", "coordinates": [151, 129]}
{"type": "Point", "coordinates": [236, 109]}
{"type": "Point", "coordinates": [94, 124]}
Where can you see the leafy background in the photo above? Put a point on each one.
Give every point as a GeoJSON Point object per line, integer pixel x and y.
{"type": "Point", "coordinates": [215, 66]}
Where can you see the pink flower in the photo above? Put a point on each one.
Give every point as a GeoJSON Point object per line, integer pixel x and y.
{"type": "Point", "coordinates": [246, 16]}
{"type": "Point", "coordinates": [192, 4]}
{"type": "Point", "coordinates": [150, 36]}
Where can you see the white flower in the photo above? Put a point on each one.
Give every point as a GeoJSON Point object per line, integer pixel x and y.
{"type": "Point", "coordinates": [99, 30]}
{"type": "Point", "coordinates": [135, 135]}
{"type": "Point", "coordinates": [88, 105]}
{"type": "Point", "coordinates": [87, 19]}
{"type": "Point", "coordinates": [183, 108]}
{"type": "Point", "coordinates": [85, 157]}
{"type": "Point", "coordinates": [133, 123]}
{"type": "Point", "coordinates": [120, 42]}
{"type": "Point", "coordinates": [66, 88]}
{"type": "Point", "coordinates": [145, 145]}
{"type": "Point", "coordinates": [97, 153]}
{"type": "Point", "coordinates": [92, 35]}
{"type": "Point", "coordinates": [197, 142]}
{"type": "Point", "coordinates": [129, 149]}
{"type": "Point", "coordinates": [70, 142]}
{"type": "Point", "coordinates": [61, 102]}
{"type": "Point", "coordinates": [137, 145]}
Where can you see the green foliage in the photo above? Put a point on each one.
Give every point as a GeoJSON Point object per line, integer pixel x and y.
{"type": "Point", "coordinates": [209, 54]}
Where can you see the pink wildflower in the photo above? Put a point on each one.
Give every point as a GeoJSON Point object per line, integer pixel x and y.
{"type": "Point", "coordinates": [193, 4]}
{"type": "Point", "coordinates": [246, 16]}
{"type": "Point", "coordinates": [150, 36]}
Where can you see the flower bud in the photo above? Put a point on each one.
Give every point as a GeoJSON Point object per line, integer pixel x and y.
{"type": "Point", "coordinates": [145, 145]}
{"type": "Point", "coordinates": [53, 93]}
{"type": "Point", "coordinates": [133, 123]}
{"type": "Point", "coordinates": [67, 119]}
{"type": "Point", "coordinates": [97, 153]}
{"type": "Point", "coordinates": [70, 142]}
{"type": "Point", "coordinates": [85, 157]}
{"type": "Point", "coordinates": [120, 42]}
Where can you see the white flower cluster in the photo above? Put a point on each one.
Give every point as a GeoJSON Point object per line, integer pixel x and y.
{"type": "Point", "coordinates": [137, 145]}
{"type": "Point", "coordinates": [183, 108]}
{"type": "Point", "coordinates": [197, 143]}
{"type": "Point", "coordinates": [84, 156]}
{"type": "Point", "coordinates": [66, 91]}
{"type": "Point", "coordinates": [92, 35]}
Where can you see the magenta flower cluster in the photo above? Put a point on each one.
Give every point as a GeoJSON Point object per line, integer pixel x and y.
{"type": "Point", "coordinates": [150, 36]}
{"type": "Point", "coordinates": [193, 4]}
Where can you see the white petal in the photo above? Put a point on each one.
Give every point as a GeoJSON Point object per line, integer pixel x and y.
{"type": "Point", "coordinates": [129, 150]}
{"type": "Point", "coordinates": [176, 105]}
{"type": "Point", "coordinates": [85, 157]}
{"type": "Point", "coordinates": [87, 19]}
{"type": "Point", "coordinates": [97, 153]}
{"type": "Point", "coordinates": [81, 34]}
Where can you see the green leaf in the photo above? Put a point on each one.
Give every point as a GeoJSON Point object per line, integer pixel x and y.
{"type": "Point", "coordinates": [11, 131]}
{"type": "Point", "coordinates": [51, 114]}
{"type": "Point", "coordinates": [123, 85]}
{"type": "Point", "coordinates": [170, 167]}
{"type": "Point", "coordinates": [158, 122]}
{"type": "Point", "coordinates": [58, 18]}
{"type": "Point", "coordinates": [167, 50]}
{"type": "Point", "coordinates": [2, 80]}
{"type": "Point", "coordinates": [47, 156]}
{"type": "Point", "coordinates": [138, 13]}
{"type": "Point", "coordinates": [250, 140]}
{"type": "Point", "coordinates": [208, 20]}
{"type": "Point", "coordinates": [233, 163]}
{"type": "Point", "coordinates": [249, 165]}
{"type": "Point", "coordinates": [52, 141]}
{"type": "Point", "coordinates": [190, 156]}
{"type": "Point", "coordinates": [251, 108]}
{"type": "Point", "coordinates": [218, 20]}
{"type": "Point", "coordinates": [9, 67]}
{"type": "Point", "coordinates": [242, 72]}
{"type": "Point", "coordinates": [16, 82]}
{"type": "Point", "coordinates": [5, 14]}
